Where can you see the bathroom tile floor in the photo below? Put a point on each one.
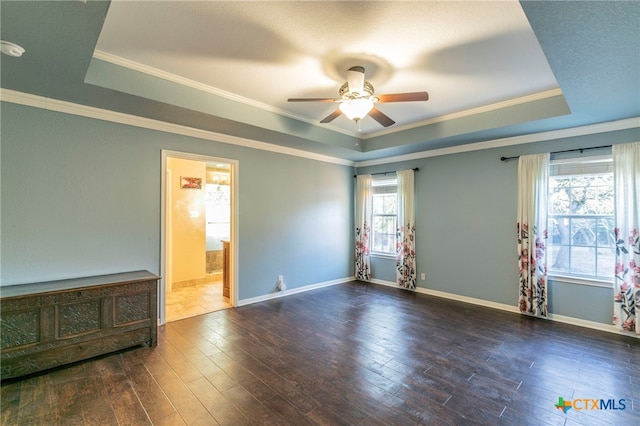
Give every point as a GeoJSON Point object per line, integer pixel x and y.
{"type": "Point", "coordinates": [197, 300]}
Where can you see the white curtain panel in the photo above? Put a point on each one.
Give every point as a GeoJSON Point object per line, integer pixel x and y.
{"type": "Point", "coordinates": [533, 182]}
{"type": "Point", "coordinates": [626, 171]}
{"type": "Point", "coordinates": [406, 234]}
{"type": "Point", "coordinates": [363, 227]}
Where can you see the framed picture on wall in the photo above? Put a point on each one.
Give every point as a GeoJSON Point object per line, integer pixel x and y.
{"type": "Point", "coordinates": [190, 182]}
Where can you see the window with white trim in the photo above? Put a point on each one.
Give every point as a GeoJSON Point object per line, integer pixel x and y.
{"type": "Point", "coordinates": [581, 219]}
{"type": "Point", "coordinates": [385, 215]}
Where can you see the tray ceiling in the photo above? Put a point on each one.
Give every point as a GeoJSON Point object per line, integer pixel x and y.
{"type": "Point", "coordinates": [494, 70]}
{"type": "Point", "coordinates": [465, 54]}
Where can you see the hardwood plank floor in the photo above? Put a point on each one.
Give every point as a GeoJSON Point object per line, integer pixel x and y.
{"type": "Point", "coordinates": [351, 354]}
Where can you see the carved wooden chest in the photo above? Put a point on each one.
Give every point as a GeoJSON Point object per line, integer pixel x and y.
{"type": "Point", "coordinates": [44, 325]}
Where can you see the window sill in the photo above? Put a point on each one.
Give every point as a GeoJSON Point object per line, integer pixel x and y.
{"type": "Point", "coordinates": [383, 255]}
{"type": "Point", "coordinates": [581, 281]}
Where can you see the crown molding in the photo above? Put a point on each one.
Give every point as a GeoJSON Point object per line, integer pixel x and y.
{"type": "Point", "coordinates": [611, 126]}
{"type": "Point", "coordinates": [36, 101]}
{"type": "Point", "coordinates": [12, 96]}
{"type": "Point", "coordinates": [154, 72]}
{"type": "Point", "coordinates": [469, 112]}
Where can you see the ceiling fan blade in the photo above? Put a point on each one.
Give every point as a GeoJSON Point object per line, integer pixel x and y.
{"type": "Point", "coordinates": [335, 114]}
{"type": "Point", "coordinates": [404, 97]}
{"type": "Point", "coordinates": [312, 100]}
{"type": "Point", "coordinates": [355, 79]}
{"type": "Point", "coordinates": [381, 117]}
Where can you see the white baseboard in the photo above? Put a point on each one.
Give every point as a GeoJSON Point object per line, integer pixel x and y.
{"type": "Point", "coordinates": [514, 309]}
{"type": "Point", "coordinates": [284, 293]}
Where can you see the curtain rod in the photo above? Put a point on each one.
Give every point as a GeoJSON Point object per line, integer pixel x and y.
{"type": "Point", "coordinates": [558, 152]}
{"type": "Point", "coordinates": [386, 173]}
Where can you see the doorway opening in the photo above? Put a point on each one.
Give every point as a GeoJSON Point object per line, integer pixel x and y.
{"type": "Point", "coordinates": [198, 235]}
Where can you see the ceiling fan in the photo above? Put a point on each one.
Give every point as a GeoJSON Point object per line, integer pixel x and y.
{"type": "Point", "coordinates": [357, 99]}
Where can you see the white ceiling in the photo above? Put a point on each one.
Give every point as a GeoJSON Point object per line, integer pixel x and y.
{"type": "Point", "coordinates": [467, 55]}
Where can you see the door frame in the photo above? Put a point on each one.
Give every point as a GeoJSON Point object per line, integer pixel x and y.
{"type": "Point", "coordinates": [165, 198]}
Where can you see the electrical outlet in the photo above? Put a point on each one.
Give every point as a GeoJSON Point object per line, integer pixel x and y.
{"type": "Point", "coordinates": [422, 276]}
{"type": "Point", "coordinates": [281, 286]}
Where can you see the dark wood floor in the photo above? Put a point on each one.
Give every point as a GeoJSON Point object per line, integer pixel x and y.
{"type": "Point", "coordinates": [355, 354]}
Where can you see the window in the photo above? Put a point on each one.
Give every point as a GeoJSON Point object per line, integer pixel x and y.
{"type": "Point", "coordinates": [581, 219]}
{"type": "Point", "coordinates": [385, 215]}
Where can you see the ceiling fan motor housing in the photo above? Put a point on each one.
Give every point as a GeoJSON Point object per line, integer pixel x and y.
{"type": "Point", "coordinates": [346, 94]}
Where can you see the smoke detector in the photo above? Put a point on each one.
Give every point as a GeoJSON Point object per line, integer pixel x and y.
{"type": "Point", "coordinates": [11, 49]}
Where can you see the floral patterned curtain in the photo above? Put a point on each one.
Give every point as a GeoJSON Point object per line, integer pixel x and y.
{"type": "Point", "coordinates": [533, 176]}
{"type": "Point", "coordinates": [363, 227]}
{"type": "Point", "coordinates": [406, 232]}
{"type": "Point", "coordinates": [626, 287]}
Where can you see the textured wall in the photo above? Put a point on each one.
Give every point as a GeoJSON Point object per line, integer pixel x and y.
{"type": "Point", "coordinates": [465, 227]}
{"type": "Point", "coordinates": [82, 197]}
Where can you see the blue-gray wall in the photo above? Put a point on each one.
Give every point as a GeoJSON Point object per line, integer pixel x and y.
{"type": "Point", "coordinates": [81, 197]}
{"type": "Point", "coordinates": [465, 226]}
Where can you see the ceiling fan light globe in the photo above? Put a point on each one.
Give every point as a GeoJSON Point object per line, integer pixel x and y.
{"type": "Point", "coordinates": [356, 109]}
